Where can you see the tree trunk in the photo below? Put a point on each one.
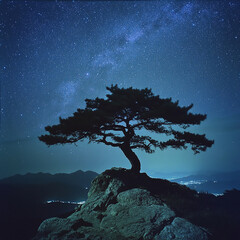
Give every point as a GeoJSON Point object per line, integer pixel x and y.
{"type": "Point", "coordinates": [132, 157]}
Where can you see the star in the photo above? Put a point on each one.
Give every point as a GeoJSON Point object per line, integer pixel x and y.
{"type": "Point", "coordinates": [55, 55]}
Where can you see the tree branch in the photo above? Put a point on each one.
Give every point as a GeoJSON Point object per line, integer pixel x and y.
{"type": "Point", "coordinates": [114, 128]}
{"type": "Point", "coordinates": [103, 140]}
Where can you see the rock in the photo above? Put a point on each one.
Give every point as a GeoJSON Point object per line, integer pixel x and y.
{"type": "Point", "coordinates": [121, 206]}
{"type": "Point", "coordinates": [137, 196]}
{"type": "Point", "coordinates": [181, 229]}
{"type": "Point", "coordinates": [53, 228]}
{"type": "Point", "coordinates": [136, 213]}
{"type": "Point", "coordinates": [105, 184]}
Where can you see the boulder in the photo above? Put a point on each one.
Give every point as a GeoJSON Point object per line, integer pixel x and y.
{"type": "Point", "coordinates": [181, 229]}
{"type": "Point", "coordinates": [121, 206]}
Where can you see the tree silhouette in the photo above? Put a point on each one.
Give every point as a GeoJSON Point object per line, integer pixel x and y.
{"type": "Point", "coordinates": [115, 120]}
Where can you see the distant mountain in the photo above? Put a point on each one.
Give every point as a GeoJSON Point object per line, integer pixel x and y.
{"type": "Point", "coordinates": [44, 186]}
{"type": "Point", "coordinates": [212, 182]}
{"type": "Point", "coordinates": [23, 201]}
{"type": "Point", "coordinates": [79, 177]}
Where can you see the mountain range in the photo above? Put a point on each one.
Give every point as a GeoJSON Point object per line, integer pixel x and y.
{"type": "Point", "coordinates": [216, 183]}
{"type": "Point", "coordinates": [23, 202]}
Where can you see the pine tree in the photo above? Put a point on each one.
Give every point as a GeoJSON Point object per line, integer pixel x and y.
{"type": "Point", "coordinates": [116, 120]}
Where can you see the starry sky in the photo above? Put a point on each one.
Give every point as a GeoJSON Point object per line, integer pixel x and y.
{"type": "Point", "coordinates": [54, 54]}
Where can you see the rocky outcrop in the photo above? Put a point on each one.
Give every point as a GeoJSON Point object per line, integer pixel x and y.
{"type": "Point", "coordinates": [123, 205]}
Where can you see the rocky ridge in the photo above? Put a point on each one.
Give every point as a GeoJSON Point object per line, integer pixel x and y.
{"type": "Point", "coordinates": [123, 205]}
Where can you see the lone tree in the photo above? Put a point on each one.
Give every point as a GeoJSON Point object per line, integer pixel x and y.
{"type": "Point", "coordinates": [115, 121]}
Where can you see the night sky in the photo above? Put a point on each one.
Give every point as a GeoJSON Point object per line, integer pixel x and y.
{"type": "Point", "coordinates": [56, 54]}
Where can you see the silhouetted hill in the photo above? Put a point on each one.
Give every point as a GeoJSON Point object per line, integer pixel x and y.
{"type": "Point", "coordinates": [212, 182]}
{"type": "Point", "coordinates": [79, 177]}
{"type": "Point", "coordinates": [23, 200]}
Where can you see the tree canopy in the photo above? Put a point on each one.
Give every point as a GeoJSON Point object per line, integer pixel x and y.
{"type": "Point", "coordinates": [116, 120]}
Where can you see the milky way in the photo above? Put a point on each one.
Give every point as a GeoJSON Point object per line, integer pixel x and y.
{"type": "Point", "coordinates": [56, 54]}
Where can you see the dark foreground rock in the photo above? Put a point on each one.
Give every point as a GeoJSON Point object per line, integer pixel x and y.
{"type": "Point", "coordinates": [123, 205]}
